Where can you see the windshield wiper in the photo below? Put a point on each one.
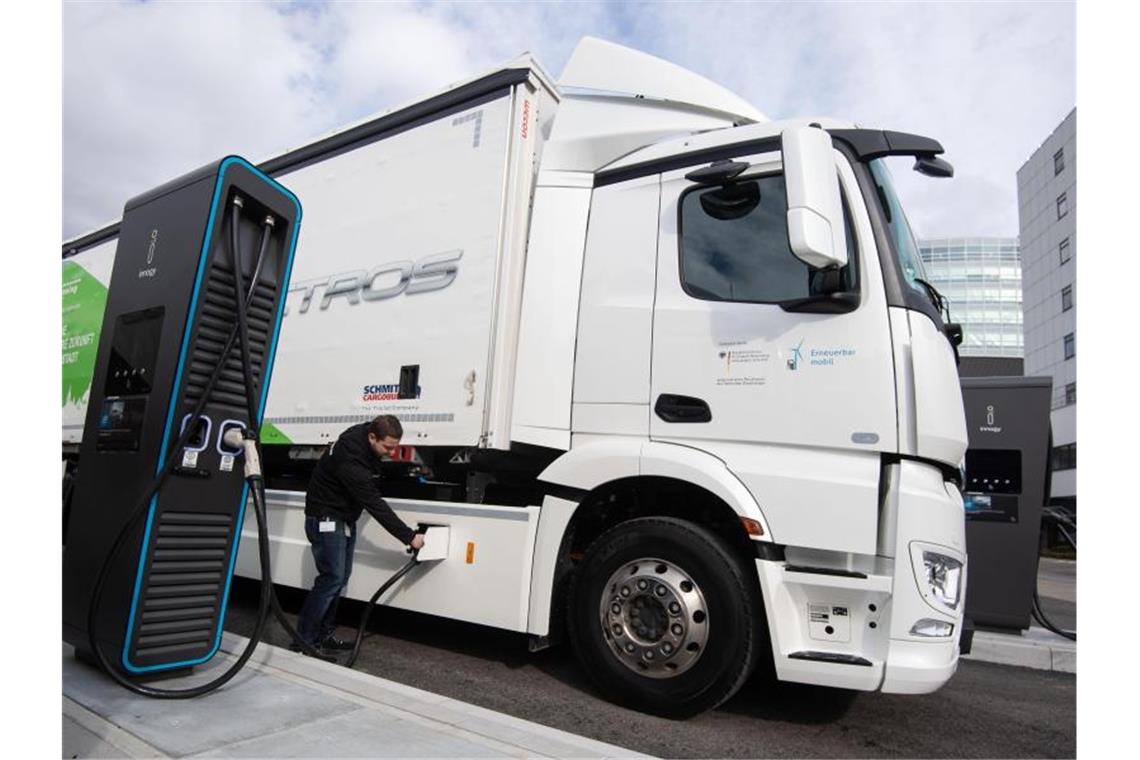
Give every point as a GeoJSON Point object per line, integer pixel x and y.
{"type": "Point", "coordinates": [937, 298]}
{"type": "Point", "coordinates": [952, 331]}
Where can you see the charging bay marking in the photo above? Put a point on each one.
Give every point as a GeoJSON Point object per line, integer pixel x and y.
{"type": "Point", "coordinates": [227, 463]}
{"type": "Point", "coordinates": [189, 458]}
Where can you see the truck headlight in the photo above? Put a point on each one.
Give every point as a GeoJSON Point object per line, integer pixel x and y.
{"type": "Point", "coordinates": [943, 575]}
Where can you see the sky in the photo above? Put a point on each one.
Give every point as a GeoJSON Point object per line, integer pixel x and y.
{"type": "Point", "coordinates": [152, 90]}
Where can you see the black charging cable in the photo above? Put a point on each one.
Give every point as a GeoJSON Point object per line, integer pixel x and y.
{"type": "Point", "coordinates": [415, 560]}
{"type": "Point", "coordinates": [1038, 610]}
{"type": "Point", "coordinates": [251, 435]}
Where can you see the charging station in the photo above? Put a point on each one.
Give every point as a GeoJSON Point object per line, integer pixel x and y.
{"type": "Point", "coordinates": [169, 370]}
{"type": "Point", "coordinates": [1006, 487]}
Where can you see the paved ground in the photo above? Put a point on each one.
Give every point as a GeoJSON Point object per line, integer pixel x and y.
{"type": "Point", "coordinates": [284, 705]}
{"type": "Point", "coordinates": [986, 710]}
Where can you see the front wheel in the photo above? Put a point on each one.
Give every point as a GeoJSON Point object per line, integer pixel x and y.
{"type": "Point", "coordinates": [664, 617]}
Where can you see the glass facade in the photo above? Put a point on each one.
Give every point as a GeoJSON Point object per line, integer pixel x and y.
{"type": "Point", "coordinates": [981, 279]}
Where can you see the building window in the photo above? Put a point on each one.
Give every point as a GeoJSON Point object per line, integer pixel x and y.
{"type": "Point", "coordinates": [1062, 205]}
{"type": "Point", "coordinates": [1064, 249]}
{"type": "Point", "coordinates": [1066, 298]}
{"type": "Point", "coordinates": [1065, 457]}
{"type": "Point", "coordinates": [1070, 394]}
{"type": "Point", "coordinates": [1070, 345]}
{"type": "Point", "coordinates": [1058, 162]}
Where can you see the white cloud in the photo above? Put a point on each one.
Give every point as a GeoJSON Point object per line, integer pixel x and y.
{"type": "Point", "coordinates": [988, 80]}
{"type": "Point", "coordinates": [154, 90]}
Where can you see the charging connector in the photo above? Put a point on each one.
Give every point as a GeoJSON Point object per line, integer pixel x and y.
{"type": "Point", "coordinates": [436, 543]}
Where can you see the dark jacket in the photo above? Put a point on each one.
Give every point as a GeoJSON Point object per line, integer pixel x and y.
{"type": "Point", "coordinates": [345, 483]}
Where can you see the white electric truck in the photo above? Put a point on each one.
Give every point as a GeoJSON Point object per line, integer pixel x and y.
{"type": "Point", "coordinates": [668, 370]}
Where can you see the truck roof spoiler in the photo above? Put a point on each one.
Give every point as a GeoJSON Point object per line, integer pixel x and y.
{"type": "Point", "coordinates": [604, 66]}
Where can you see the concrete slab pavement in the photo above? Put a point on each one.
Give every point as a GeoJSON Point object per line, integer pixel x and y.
{"type": "Point", "coordinates": [286, 705]}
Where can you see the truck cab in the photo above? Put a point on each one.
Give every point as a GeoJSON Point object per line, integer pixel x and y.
{"type": "Point", "coordinates": [725, 365]}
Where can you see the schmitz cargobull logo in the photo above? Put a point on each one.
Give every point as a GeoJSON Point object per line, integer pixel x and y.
{"type": "Point", "coordinates": [386, 392]}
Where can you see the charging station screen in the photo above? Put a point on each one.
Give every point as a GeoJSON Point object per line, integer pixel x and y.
{"type": "Point", "coordinates": [134, 348]}
{"type": "Point", "coordinates": [993, 485]}
{"type": "Point", "coordinates": [120, 423]}
{"type": "Point", "coordinates": [130, 377]}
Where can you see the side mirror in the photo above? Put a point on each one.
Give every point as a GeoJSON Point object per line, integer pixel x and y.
{"type": "Point", "coordinates": [815, 211]}
{"type": "Point", "coordinates": [932, 166]}
{"type": "Point", "coordinates": [732, 201]}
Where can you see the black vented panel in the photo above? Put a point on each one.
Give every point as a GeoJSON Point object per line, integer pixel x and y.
{"type": "Point", "coordinates": [217, 321]}
{"type": "Point", "coordinates": [179, 606]}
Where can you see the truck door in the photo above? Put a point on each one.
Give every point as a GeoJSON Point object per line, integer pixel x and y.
{"type": "Point", "coordinates": [733, 361]}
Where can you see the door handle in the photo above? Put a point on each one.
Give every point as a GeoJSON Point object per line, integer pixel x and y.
{"type": "Point", "coordinates": [673, 408]}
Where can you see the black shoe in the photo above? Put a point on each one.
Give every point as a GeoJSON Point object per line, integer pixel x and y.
{"type": "Point", "coordinates": [296, 647]}
{"type": "Point", "coordinates": [332, 643]}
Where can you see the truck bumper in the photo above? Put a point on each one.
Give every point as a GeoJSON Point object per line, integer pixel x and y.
{"type": "Point", "coordinates": [919, 667]}
{"type": "Point", "coordinates": [848, 621]}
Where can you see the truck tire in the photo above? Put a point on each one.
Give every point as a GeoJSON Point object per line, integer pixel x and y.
{"type": "Point", "coordinates": [664, 617]}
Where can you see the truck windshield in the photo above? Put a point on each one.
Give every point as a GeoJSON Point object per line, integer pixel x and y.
{"type": "Point", "coordinates": [906, 249]}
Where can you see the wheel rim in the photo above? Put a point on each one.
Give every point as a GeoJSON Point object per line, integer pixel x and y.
{"type": "Point", "coordinates": [654, 618]}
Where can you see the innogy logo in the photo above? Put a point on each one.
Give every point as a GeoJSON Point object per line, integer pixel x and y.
{"type": "Point", "coordinates": [990, 426]}
{"type": "Point", "coordinates": [152, 243]}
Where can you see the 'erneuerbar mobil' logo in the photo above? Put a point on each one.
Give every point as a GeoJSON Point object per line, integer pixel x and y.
{"type": "Point", "coordinates": [797, 357]}
{"type": "Point", "coordinates": [388, 392]}
{"type": "Point", "coordinates": [819, 357]}
{"type": "Point", "coordinates": [433, 272]}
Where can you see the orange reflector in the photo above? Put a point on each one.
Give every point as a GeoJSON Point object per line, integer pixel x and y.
{"type": "Point", "coordinates": [752, 527]}
{"type": "Point", "coordinates": [470, 552]}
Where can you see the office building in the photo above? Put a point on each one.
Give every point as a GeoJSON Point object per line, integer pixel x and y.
{"type": "Point", "coordinates": [1047, 212]}
{"type": "Point", "coordinates": [980, 277]}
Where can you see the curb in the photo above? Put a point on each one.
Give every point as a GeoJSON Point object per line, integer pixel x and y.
{"type": "Point", "coordinates": [1035, 648]}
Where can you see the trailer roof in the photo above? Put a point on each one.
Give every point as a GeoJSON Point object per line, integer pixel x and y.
{"type": "Point", "coordinates": [454, 97]}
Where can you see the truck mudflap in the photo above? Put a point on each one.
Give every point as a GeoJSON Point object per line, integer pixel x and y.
{"type": "Point", "coordinates": [876, 623]}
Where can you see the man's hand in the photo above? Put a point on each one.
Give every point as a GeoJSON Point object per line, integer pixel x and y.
{"type": "Point", "coordinates": [417, 542]}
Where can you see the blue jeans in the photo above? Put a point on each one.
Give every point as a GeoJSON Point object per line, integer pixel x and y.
{"type": "Point", "coordinates": [332, 551]}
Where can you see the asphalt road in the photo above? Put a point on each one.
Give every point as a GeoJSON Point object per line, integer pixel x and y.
{"type": "Point", "coordinates": [985, 711]}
